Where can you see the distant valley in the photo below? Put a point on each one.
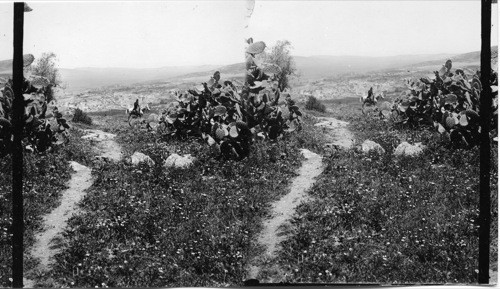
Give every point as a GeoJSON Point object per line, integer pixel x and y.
{"type": "Point", "coordinates": [309, 68]}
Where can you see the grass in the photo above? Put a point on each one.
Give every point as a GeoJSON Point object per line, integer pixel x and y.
{"type": "Point", "coordinates": [374, 218]}
{"type": "Point", "coordinates": [151, 226]}
{"type": "Point", "coordinates": [45, 177]}
{"type": "Point", "coordinates": [390, 220]}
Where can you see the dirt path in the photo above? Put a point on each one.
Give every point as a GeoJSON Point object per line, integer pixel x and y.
{"type": "Point", "coordinates": [262, 267]}
{"type": "Point", "coordinates": [106, 145]}
{"type": "Point", "coordinates": [55, 222]}
{"type": "Point", "coordinates": [337, 130]}
{"type": "Point", "coordinates": [282, 211]}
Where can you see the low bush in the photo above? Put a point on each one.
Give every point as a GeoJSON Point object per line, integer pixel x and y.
{"type": "Point", "coordinates": [313, 103]}
{"type": "Point", "coordinates": [81, 117]}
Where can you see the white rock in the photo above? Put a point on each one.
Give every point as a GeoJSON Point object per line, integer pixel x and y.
{"type": "Point", "coordinates": [331, 123]}
{"type": "Point", "coordinates": [138, 158]}
{"type": "Point", "coordinates": [406, 149]}
{"type": "Point", "coordinates": [97, 135]}
{"type": "Point", "coordinates": [369, 146]}
{"type": "Point", "coordinates": [177, 161]}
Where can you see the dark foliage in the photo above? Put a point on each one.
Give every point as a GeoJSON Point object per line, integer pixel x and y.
{"type": "Point", "coordinates": [313, 103]}
{"type": "Point", "coordinates": [81, 117]}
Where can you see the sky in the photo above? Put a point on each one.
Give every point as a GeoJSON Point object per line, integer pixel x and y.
{"type": "Point", "coordinates": [177, 33]}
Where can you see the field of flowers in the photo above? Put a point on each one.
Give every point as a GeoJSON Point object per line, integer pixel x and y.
{"type": "Point", "coordinates": [45, 178]}
{"type": "Point", "coordinates": [377, 218]}
{"type": "Point", "coordinates": [152, 226]}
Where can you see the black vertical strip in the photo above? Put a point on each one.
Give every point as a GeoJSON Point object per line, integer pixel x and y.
{"type": "Point", "coordinates": [484, 170]}
{"type": "Point", "coordinates": [17, 152]}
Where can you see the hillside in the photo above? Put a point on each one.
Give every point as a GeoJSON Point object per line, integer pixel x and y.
{"type": "Point", "coordinates": [310, 68]}
{"type": "Point", "coordinates": [321, 66]}
{"type": "Point", "coordinates": [325, 66]}
{"type": "Point", "coordinates": [471, 58]}
{"type": "Point", "coordinates": [87, 78]}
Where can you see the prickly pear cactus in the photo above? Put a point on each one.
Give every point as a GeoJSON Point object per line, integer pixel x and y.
{"type": "Point", "coordinates": [449, 102]}
{"type": "Point", "coordinates": [231, 116]}
{"type": "Point", "coordinates": [39, 136]}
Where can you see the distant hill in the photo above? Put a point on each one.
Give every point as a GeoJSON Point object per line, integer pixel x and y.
{"type": "Point", "coordinates": [325, 66]}
{"type": "Point", "coordinates": [321, 66]}
{"type": "Point", "coordinates": [86, 78]}
{"type": "Point", "coordinates": [5, 68]}
{"type": "Point", "coordinates": [312, 67]}
{"type": "Point", "coordinates": [90, 77]}
{"type": "Point", "coordinates": [471, 58]}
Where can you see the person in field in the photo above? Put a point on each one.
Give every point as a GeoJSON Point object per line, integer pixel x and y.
{"type": "Point", "coordinates": [371, 96]}
{"type": "Point", "coordinates": [136, 110]}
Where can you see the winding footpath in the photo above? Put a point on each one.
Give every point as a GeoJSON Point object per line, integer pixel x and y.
{"type": "Point", "coordinates": [262, 267]}
{"type": "Point", "coordinates": [337, 131]}
{"type": "Point", "coordinates": [55, 222]}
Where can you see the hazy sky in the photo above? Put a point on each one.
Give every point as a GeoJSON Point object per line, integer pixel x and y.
{"type": "Point", "coordinates": [167, 33]}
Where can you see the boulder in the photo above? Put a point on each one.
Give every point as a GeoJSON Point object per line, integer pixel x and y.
{"type": "Point", "coordinates": [138, 158]}
{"type": "Point", "coordinates": [371, 146]}
{"type": "Point", "coordinates": [406, 149]}
{"type": "Point", "coordinates": [177, 161]}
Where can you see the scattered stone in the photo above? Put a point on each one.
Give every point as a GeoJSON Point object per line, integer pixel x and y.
{"type": "Point", "coordinates": [97, 135]}
{"type": "Point", "coordinates": [406, 149]}
{"type": "Point", "coordinates": [177, 161]}
{"type": "Point", "coordinates": [138, 158]}
{"type": "Point", "coordinates": [331, 123]}
{"type": "Point", "coordinates": [369, 146]}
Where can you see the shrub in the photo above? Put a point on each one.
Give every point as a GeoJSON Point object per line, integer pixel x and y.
{"type": "Point", "coordinates": [313, 103]}
{"type": "Point", "coordinates": [82, 117]}
{"type": "Point", "coordinates": [450, 102]}
{"type": "Point", "coordinates": [231, 117]}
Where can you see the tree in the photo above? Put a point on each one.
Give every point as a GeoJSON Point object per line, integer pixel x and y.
{"type": "Point", "coordinates": [46, 66]}
{"type": "Point", "coordinates": [280, 55]}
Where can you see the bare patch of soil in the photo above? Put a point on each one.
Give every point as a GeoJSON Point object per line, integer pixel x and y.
{"type": "Point", "coordinates": [337, 131]}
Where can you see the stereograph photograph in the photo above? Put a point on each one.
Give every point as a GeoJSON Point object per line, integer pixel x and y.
{"type": "Point", "coordinates": [248, 143]}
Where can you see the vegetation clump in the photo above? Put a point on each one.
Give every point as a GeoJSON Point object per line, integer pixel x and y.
{"type": "Point", "coordinates": [82, 117]}
{"type": "Point", "coordinates": [39, 135]}
{"type": "Point", "coordinates": [449, 102]}
{"type": "Point", "coordinates": [313, 103]}
{"type": "Point", "coordinates": [231, 117]}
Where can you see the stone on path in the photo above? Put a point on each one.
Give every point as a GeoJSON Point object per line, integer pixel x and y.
{"type": "Point", "coordinates": [370, 146]}
{"type": "Point", "coordinates": [108, 148]}
{"type": "Point", "coordinates": [177, 161]}
{"type": "Point", "coordinates": [339, 133]}
{"type": "Point", "coordinates": [406, 149]}
{"type": "Point", "coordinates": [139, 157]}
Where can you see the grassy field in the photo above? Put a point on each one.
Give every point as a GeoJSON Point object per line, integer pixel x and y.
{"type": "Point", "coordinates": [151, 226]}
{"type": "Point", "coordinates": [391, 220]}
{"type": "Point", "coordinates": [373, 218]}
{"type": "Point", "coordinates": [44, 180]}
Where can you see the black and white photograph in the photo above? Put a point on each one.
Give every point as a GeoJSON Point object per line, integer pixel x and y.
{"type": "Point", "coordinates": [215, 143]}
